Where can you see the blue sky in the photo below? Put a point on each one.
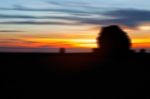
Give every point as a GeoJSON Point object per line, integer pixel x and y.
{"type": "Point", "coordinates": [81, 11]}
{"type": "Point", "coordinates": [53, 21]}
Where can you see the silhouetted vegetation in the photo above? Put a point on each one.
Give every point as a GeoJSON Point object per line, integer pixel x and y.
{"type": "Point", "coordinates": [62, 50]}
{"type": "Point", "coordinates": [123, 75]}
{"type": "Point", "coordinates": [113, 39]}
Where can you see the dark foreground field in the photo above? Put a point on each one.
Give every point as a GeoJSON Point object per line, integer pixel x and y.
{"type": "Point", "coordinates": [73, 76]}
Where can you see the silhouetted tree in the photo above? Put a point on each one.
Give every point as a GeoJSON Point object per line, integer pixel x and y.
{"type": "Point", "coordinates": [142, 51]}
{"type": "Point", "coordinates": [62, 50]}
{"type": "Point", "coordinates": [113, 39]}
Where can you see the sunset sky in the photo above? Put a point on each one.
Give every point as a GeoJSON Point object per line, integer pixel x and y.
{"type": "Point", "coordinates": [45, 25]}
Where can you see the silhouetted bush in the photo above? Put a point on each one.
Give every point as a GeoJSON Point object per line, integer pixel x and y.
{"type": "Point", "coordinates": [113, 39]}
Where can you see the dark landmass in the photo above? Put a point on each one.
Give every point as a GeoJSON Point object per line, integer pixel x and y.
{"type": "Point", "coordinates": [112, 71]}
{"type": "Point", "coordinates": [79, 75]}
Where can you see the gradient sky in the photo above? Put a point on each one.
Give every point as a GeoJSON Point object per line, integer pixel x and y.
{"type": "Point", "coordinates": [50, 24]}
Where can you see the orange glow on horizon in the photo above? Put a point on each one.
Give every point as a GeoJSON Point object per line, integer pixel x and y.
{"type": "Point", "coordinates": [84, 39]}
{"type": "Point", "coordinates": [69, 43]}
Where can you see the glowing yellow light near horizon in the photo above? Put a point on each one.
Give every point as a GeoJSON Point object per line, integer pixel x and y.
{"type": "Point", "coordinates": [66, 40]}
{"type": "Point", "coordinates": [145, 40]}
{"type": "Point", "coordinates": [82, 43]}
{"type": "Point", "coordinates": [146, 27]}
{"type": "Point", "coordinates": [87, 45]}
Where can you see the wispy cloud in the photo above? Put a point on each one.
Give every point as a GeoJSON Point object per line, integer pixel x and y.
{"type": "Point", "coordinates": [127, 17]}
{"type": "Point", "coordinates": [28, 49]}
{"type": "Point", "coordinates": [15, 41]}
{"type": "Point", "coordinates": [70, 3]}
{"type": "Point", "coordinates": [9, 31]}
{"type": "Point", "coordinates": [37, 23]}
{"type": "Point", "coordinates": [6, 16]}
{"type": "Point", "coordinates": [65, 10]}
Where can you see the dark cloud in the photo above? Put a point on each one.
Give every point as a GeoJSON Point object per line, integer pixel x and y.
{"type": "Point", "coordinates": [70, 3]}
{"type": "Point", "coordinates": [16, 41]}
{"type": "Point", "coordinates": [9, 16]}
{"type": "Point", "coordinates": [8, 31]}
{"type": "Point", "coordinates": [37, 23]}
{"type": "Point", "coordinates": [4, 16]}
{"type": "Point", "coordinates": [24, 49]}
{"type": "Point", "coordinates": [65, 10]}
{"type": "Point", "coordinates": [129, 17]}
{"type": "Point", "coordinates": [22, 8]}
